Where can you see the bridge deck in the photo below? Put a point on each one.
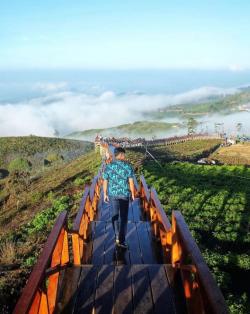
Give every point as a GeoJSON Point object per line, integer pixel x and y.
{"type": "Point", "coordinates": [112, 280]}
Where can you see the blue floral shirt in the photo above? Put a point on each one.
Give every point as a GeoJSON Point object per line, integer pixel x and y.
{"type": "Point", "coordinates": [117, 173]}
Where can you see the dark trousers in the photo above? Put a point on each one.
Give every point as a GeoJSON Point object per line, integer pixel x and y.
{"type": "Point", "coordinates": [119, 206]}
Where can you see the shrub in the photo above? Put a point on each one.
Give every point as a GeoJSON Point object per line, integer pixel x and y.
{"type": "Point", "coordinates": [53, 157]}
{"type": "Point", "coordinates": [19, 164]}
{"type": "Point", "coordinates": [30, 261]}
{"type": "Point", "coordinates": [43, 220]}
{"type": "Point", "coordinates": [7, 252]}
{"type": "Point", "coordinates": [81, 181]}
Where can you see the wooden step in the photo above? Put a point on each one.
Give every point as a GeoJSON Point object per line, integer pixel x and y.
{"type": "Point", "coordinates": [100, 248]}
{"type": "Point", "coordinates": [138, 288]}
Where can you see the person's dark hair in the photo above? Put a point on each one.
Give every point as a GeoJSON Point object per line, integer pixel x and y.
{"type": "Point", "coordinates": [119, 150]}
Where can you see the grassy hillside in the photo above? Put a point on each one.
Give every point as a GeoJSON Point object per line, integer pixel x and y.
{"type": "Point", "coordinates": [223, 105]}
{"type": "Point", "coordinates": [136, 129]}
{"type": "Point", "coordinates": [215, 202]}
{"type": "Point", "coordinates": [236, 154]}
{"type": "Point", "coordinates": [28, 214]}
{"type": "Point", "coordinates": [188, 151]}
{"type": "Point", "coordinates": [36, 149]}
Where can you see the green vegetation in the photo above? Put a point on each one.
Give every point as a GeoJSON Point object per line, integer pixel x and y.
{"type": "Point", "coordinates": [35, 149]}
{"type": "Point", "coordinates": [191, 125]}
{"type": "Point", "coordinates": [213, 199]}
{"type": "Point", "coordinates": [223, 104]}
{"type": "Point", "coordinates": [215, 203]}
{"type": "Point", "coordinates": [187, 151]}
{"type": "Point", "coordinates": [136, 129]}
{"type": "Point", "coordinates": [45, 219]}
{"type": "Point", "coordinates": [53, 157]}
{"type": "Point", "coordinates": [28, 214]}
{"type": "Point", "coordinates": [19, 164]}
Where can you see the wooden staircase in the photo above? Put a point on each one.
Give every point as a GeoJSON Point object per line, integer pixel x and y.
{"type": "Point", "coordinates": [81, 270]}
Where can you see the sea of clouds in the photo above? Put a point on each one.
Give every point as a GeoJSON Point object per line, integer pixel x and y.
{"type": "Point", "coordinates": [65, 110]}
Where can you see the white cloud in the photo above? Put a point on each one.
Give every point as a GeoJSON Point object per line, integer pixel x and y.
{"type": "Point", "coordinates": [68, 111]}
{"type": "Point", "coordinates": [50, 86]}
{"type": "Point", "coordinates": [237, 68]}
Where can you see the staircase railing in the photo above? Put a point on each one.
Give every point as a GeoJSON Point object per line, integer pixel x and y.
{"type": "Point", "coordinates": [200, 289]}
{"type": "Point", "coordinates": [179, 248]}
{"type": "Point", "coordinates": [39, 294]}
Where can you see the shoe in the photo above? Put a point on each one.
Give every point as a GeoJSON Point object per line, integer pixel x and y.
{"type": "Point", "coordinates": [123, 245]}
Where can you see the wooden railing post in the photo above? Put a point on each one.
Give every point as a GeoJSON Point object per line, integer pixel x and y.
{"type": "Point", "coordinates": [201, 291]}
{"type": "Point", "coordinates": [85, 215]}
{"type": "Point", "coordinates": [76, 249]}
{"type": "Point", "coordinates": [44, 304]}
{"type": "Point", "coordinates": [35, 297]}
{"type": "Point", "coordinates": [53, 279]}
{"type": "Point", "coordinates": [80, 227]}
{"type": "Point", "coordinates": [176, 248]}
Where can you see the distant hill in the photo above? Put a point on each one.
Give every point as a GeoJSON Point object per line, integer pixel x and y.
{"type": "Point", "coordinates": [35, 149]}
{"type": "Point", "coordinates": [221, 104]}
{"type": "Point", "coordinates": [137, 129]}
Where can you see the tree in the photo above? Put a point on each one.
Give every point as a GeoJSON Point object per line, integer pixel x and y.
{"type": "Point", "coordinates": [238, 127]}
{"type": "Point", "coordinates": [191, 125]}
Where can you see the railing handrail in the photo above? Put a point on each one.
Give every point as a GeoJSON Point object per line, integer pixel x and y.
{"type": "Point", "coordinates": [38, 273]}
{"type": "Point", "coordinates": [145, 187]}
{"type": "Point", "coordinates": [213, 293]}
{"type": "Point", "coordinates": [92, 188]}
{"type": "Point", "coordinates": [81, 210]}
{"type": "Point", "coordinates": [136, 184]}
{"type": "Point", "coordinates": [160, 210]}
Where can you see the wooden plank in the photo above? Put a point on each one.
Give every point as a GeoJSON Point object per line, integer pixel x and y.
{"type": "Point", "coordinates": [104, 290]}
{"type": "Point", "coordinates": [67, 298]}
{"type": "Point", "coordinates": [122, 290]}
{"type": "Point", "coordinates": [92, 188]}
{"type": "Point", "coordinates": [109, 245]}
{"type": "Point", "coordinates": [161, 291]}
{"type": "Point", "coordinates": [98, 243]}
{"type": "Point", "coordinates": [145, 243]}
{"type": "Point", "coordinates": [105, 209]}
{"type": "Point", "coordinates": [78, 219]}
{"type": "Point", "coordinates": [99, 208]}
{"type": "Point", "coordinates": [122, 256]}
{"type": "Point", "coordinates": [133, 243]}
{"type": "Point", "coordinates": [137, 210]}
{"type": "Point", "coordinates": [130, 213]}
{"type": "Point", "coordinates": [86, 290]}
{"type": "Point", "coordinates": [88, 245]}
{"type": "Point", "coordinates": [156, 245]}
{"type": "Point", "coordinates": [175, 282]}
{"type": "Point", "coordinates": [142, 298]}
{"type": "Point", "coordinates": [145, 188]}
{"type": "Point", "coordinates": [160, 211]}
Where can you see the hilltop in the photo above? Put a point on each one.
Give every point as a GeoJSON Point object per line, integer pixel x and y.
{"type": "Point", "coordinates": [222, 104]}
{"type": "Point", "coordinates": [136, 129]}
{"type": "Point", "coordinates": [35, 150]}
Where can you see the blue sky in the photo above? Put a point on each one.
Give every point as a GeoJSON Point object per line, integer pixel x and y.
{"type": "Point", "coordinates": [125, 34]}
